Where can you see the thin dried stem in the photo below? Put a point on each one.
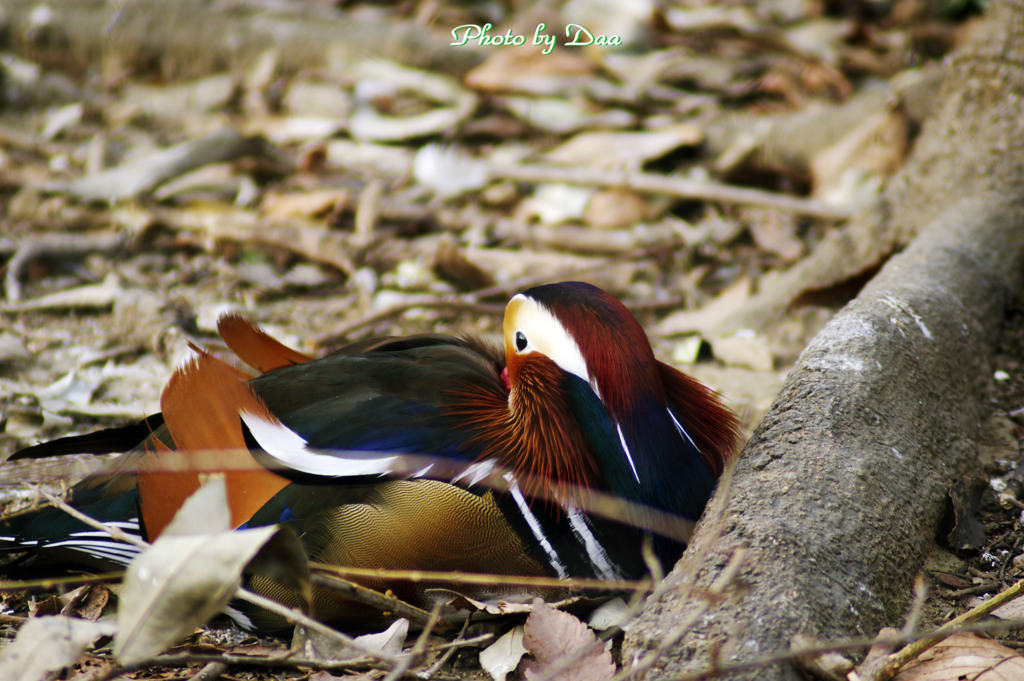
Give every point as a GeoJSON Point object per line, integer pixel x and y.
{"type": "Point", "coordinates": [290, 614]}
{"type": "Point", "coordinates": [899, 659]}
{"type": "Point", "coordinates": [678, 187]}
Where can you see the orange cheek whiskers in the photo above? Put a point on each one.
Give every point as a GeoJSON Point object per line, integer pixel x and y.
{"type": "Point", "coordinates": [533, 431]}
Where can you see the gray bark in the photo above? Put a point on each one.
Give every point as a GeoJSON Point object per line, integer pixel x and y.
{"type": "Point", "coordinates": [839, 493]}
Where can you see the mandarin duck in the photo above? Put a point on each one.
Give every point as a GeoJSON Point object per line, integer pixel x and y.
{"type": "Point", "coordinates": [576, 401]}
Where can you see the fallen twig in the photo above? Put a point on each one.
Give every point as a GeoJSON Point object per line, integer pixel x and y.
{"type": "Point", "coordinates": [375, 599]}
{"type": "Point", "coordinates": [893, 663]}
{"type": "Point", "coordinates": [285, 661]}
{"type": "Point", "coordinates": [467, 303]}
{"type": "Point", "coordinates": [303, 238]}
{"type": "Point", "coordinates": [472, 301]}
{"type": "Point", "coordinates": [210, 672]}
{"type": "Point", "coordinates": [678, 187]}
{"type": "Point", "coordinates": [56, 246]}
{"type": "Point", "coordinates": [479, 578]}
{"type": "Point", "coordinates": [134, 179]}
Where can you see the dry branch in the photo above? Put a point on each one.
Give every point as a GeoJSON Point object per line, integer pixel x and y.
{"type": "Point", "coordinates": [185, 39]}
{"type": "Point", "coordinates": [139, 177]}
{"type": "Point", "coordinates": [841, 488]}
{"type": "Point", "coordinates": [791, 140]}
{"type": "Point", "coordinates": [676, 187]}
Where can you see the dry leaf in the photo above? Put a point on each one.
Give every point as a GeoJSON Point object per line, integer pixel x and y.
{"type": "Point", "coordinates": [555, 203]}
{"type": "Point", "coordinates": [187, 576]}
{"type": "Point", "coordinates": [64, 118]}
{"type": "Point", "coordinates": [205, 512]}
{"type": "Point", "coordinates": [743, 349]}
{"type": "Point", "coordinates": [774, 230]}
{"type": "Point", "coordinates": [616, 208]}
{"type": "Point", "coordinates": [612, 613]}
{"type": "Point", "coordinates": [295, 129]}
{"type": "Point", "coordinates": [391, 640]}
{"type": "Point", "coordinates": [86, 602]}
{"type": "Point", "coordinates": [529, 70]}
{"type": "Point", "coordinates": [687, 349]}
{"type": "Point", "coordinates": [498, 606]}
{"type": "Point", "coordinates": [217, 181]}
{"type": "Point", "coordinates": [965, 656]}
{"type": "Point", "coordinates": [862, 159]}
{"type": "Point", "coordinates": [1013, 610]}
{"type": "Point", "coordinates": [448, 171]}
{"type": "Point", "coordinates": [453, 266]}
{"type": "Point", "coordinates": [503, 656]}
{"type": "Point", "coordinates": [12, 348]}
{"type": "Point", "coordinates": [303, 204]}
{"type": "Point", "coordinates": [381, 160]}
{"type": "Point", "coordinates": [552, 635]}
{"type": "Point", "coordinates": [628, 150]}
{"type": "Point", "coordinates": [954, 581]}
{"type": "Point", "coordinates": [562, 116]}
{"type": "Point", "coordinates": [46, 645]}
{"type": "Point", "coordinates": [318, 646]}
{"type": "Point", "coordinates": [316, 98]}
{"type": "Point", "coordinates": [710, 315]}
{"type": "Point", "coordinates": [368, 124]}
{"type": "Point", "coordinates": [177, 101]}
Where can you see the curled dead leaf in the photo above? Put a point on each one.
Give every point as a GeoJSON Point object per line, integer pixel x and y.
{"type": "Point", "coordinates": [46, 645]}
{"type": "Point", "coordinates": [965, 656]}
{"type": "Point", "coordinates": [318, 646]}
{"type": "Point", "coordinates": [187, 575]}
{"type": "Point", "coordinates": [553, 637]}
{"type": "Point", "coordinates": [503, 656]}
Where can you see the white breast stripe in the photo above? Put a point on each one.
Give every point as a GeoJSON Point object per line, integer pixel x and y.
{"type": "Point", "coordinates": [20, 542]}
{"type": "Point", "coordinates": [476, 472]}
{"type": "Point", "coordinates": [598, 556]}
{"type": "Point", "coordinates": [682, 431]}
{"type": "Point", "coordinates": [288, 447]}
{"type": "Point", "coordinates": [534, 524]}
{"type": "Point", "coordinates": [625, 449]}
{"type": "Point", "coordinates": [423, 471]}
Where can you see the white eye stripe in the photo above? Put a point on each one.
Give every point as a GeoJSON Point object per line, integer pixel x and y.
{"type": "Point", "coordinates": [546, 335]}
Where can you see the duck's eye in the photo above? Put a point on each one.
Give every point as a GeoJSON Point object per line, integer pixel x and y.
{"type": "Point", "coordinates": [520, 341]}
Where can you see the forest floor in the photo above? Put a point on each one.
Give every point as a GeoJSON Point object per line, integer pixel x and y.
{"type": "Point", "coordinates": [142, 196]}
